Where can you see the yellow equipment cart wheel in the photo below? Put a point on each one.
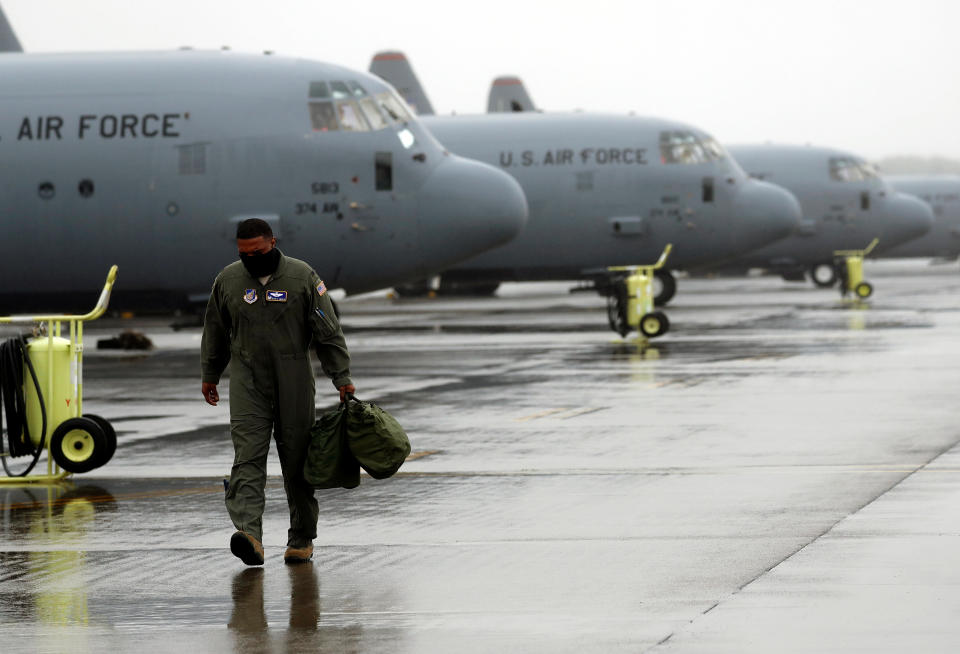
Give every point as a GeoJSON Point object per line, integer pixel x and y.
{"type": "Point", "coordinates": [78, 445]}
{"type": "Point", "coordinates": [863, 290]}
{"type": "Point", "coordinates": [109, 433]}
{"type": "Point", "coordinates": [654, 324]}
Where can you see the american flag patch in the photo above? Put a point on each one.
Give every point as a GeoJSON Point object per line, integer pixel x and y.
{"type": "Point", "coordinates": [321, 288]}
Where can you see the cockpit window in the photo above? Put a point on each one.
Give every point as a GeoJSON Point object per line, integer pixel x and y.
{"type": "Point", "coordinates": [319, 90]}
{"type": "Point", "coordinates": [369, 108]}
{"type": "Point", "coordinates": [323, 116]}
{"type": "Point", "coordinates": [714, 149]}
{"type": "Point", "coordinates": [350, 118]}
{"type": "Point", "coordinates": [353, 109]}
{"type": "Point", "coordinates": [356, 89]}
{"type": "Point", "coordinates": [849, 169]}
{"type": "Point", "coordinates": [340, 91]}
{"type": "Point", "coordinates": [682, 147]}
{"type": "Point", "coordinates": [393, 107]}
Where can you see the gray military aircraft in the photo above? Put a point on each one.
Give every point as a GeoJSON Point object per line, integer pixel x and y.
{"type": "Point", "coordinates": [148, 161]}
{"type": "Point", "coordinates": [846, 204]}
{"type": "Point", "coordinates": [608, 190]}
{"type": "Point", "coordinates": [942, 193]}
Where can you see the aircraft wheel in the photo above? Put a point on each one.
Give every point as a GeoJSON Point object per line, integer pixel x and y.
{"type": "Point", "coordinates": [416, 288]}
{"type": "Point", "coordinates": [863, 290]}
{"type": "Point", "coordinates": [664, 287]}
{"type": "Point", "coordinates": [78, 444]}
{"type": "Point", "coordinates": [109, 433]}
{"type": "Point", "coordinates": [468, 289]}
{"type": "Point", "coordinates": [654, 324]}
{"type": "Point", "coordinates": [823, 275]}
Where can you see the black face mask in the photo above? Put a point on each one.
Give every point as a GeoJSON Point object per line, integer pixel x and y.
{"type": "Point", "coordinates": [261, 265]}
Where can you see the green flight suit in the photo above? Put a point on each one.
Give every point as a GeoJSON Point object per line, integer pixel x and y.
{"type": "Point", "coordinates": [267, 332]}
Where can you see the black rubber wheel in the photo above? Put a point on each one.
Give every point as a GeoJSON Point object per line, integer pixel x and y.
{"type": "Point", "coordinates": [823, 275]}
{"type": "Point", "coordinates": [653, 324]}
{"type": "Point", "coordinates": [78, 444]}
{"type": "Point", "coordinates": [416, 288]}
{"type": "Point", "coordinates": [109, 433]}
{"type": "Point", "coordinates": [664, 321]}
{"type": "Point", "coordinates": [668, 287]}
{"type": "Point", "coordinates": [863, 290]}
{"type": "Point", "coordinates": [467, 289]}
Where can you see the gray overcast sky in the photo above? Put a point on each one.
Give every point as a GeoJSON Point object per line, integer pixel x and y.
{"type": "Point", "coordinates": [879, 78]}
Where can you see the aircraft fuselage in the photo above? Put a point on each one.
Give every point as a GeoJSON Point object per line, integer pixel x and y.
{"type": "Point", "coordinates": [845, 205]}
{"type": "Point", "coordinates": [149, 160]}
{"type": "Point", "coordinates": [608, 190]}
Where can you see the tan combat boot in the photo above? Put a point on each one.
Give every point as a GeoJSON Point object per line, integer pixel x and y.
{"type": "Point", "coordinates": [298, 554]}
{"type": "Point", "coordinates": [246, 548]}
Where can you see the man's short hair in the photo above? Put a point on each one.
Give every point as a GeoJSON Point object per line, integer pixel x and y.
{"type": "Point", "coordinates": [253, 228]}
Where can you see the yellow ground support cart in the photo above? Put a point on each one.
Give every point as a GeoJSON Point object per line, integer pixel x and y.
{"type": "Point", "coordinates": [41, 379]}
{"type": "Point", "coordinates": [849, 264]}
{"type": "Point", "coordinates": [630, 307]}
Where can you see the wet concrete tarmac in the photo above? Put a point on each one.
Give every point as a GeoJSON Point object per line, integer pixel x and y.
{"type": "Point", "coordinates": [779, 473]}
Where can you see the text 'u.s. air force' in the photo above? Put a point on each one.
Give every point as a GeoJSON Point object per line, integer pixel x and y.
{"type": "Point", "coordinates": [568, 157]}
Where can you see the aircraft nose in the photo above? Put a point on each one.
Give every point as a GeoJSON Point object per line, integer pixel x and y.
{"type": "Point", "coordinates": [907, 218]}
{"type": "Point", "coordinates": [765, 213]}
{"type": "Point", "coordinates": [467, 207]}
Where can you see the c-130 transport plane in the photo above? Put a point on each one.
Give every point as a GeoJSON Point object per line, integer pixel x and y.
{"type": "Point", "coordinates": [148, 161]}
{"type": "Point", "coordinates": [605, 190]}
{"type": "Point", "coordinates": [845, 204]}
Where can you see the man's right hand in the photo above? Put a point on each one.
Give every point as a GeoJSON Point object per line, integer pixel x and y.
{"type": "Point", "coordinates": [210, 393]}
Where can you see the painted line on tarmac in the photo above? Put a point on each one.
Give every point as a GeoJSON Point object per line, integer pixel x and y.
{"type": "Point", "coordinates": [541, 414]}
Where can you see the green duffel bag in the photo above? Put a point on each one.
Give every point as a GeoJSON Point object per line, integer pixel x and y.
{"type": "Point", "coordinates": [376, 439]}
{"type": "Point", "coordinates": [330, 464]}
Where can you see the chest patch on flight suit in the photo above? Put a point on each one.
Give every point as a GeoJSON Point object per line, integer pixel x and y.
{"type": "Point", "coordinates": [321, 288]}
{"type": "Point", "coordinates": [276, 296]}
{"type": "Point", "coordinates": [250, 295]}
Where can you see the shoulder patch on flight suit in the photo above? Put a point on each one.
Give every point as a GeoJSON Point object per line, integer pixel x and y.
{"type": "Point", "coordinates": [321, 288]}
{"type": "Point", "coordinates": [250, 295]}
{"type": "Point", "coordinates": [276, 296]}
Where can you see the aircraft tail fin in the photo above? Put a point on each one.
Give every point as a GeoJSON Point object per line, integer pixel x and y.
{"type": "Point", "coordinates": [393, 67]}
{"type": "Point", "coordinates": [8, 38]}
{"type": "Point", "coordinates": [508, 94]}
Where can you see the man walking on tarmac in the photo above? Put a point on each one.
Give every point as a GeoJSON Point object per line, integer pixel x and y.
{"type": "Point", "coordinates": [264, 313]}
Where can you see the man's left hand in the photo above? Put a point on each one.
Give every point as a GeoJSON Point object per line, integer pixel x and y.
{"type": "Point", "coordinates": [349, 388]}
